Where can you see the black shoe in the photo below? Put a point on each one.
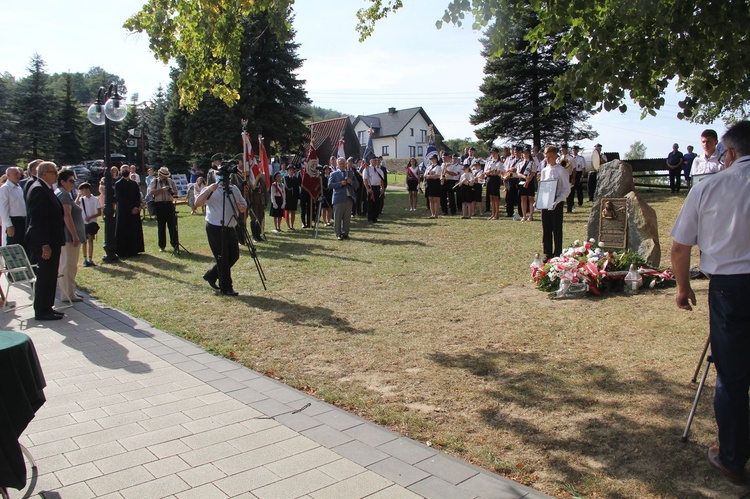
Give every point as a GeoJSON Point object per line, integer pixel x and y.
{"type": "Point", "coordinates": [56, 312]}
{"type": "Point", "coordinates": [345, 236]}
{"type": "Point", "coordinates": [230, 292]}
{"type": "Point", "coordinates": [211, 282]}
{"type": "Point", "coordinates": [161, 250]}
{"type": "Point", "coordinates": [48, 317]}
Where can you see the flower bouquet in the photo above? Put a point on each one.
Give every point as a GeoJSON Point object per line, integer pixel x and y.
{"type": "Point", "coordinates": [588, 268]}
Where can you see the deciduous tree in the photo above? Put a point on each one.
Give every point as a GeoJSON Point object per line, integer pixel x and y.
{"type": "Point", "coordinates": [623, 49]}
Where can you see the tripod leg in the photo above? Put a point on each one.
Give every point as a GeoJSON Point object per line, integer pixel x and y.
{"type": "Point", "coordinates": [700, 362]}
{"type": "Point", "coordinates": [697, 398]}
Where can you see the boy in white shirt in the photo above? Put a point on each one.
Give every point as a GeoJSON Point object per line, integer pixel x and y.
{"type": "Point", "coordinates": [91, 211]}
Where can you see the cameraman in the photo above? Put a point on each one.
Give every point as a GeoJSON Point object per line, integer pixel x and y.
{"type": "Point", "coordinates": [220, 223]}
{"type": "Point", "coordinates": [163, 189]}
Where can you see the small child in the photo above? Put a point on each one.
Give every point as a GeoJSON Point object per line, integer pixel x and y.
{"type": "Point", "coordinates": [91, 211]}
{"type": "Point", "coordinates": [466, 184]}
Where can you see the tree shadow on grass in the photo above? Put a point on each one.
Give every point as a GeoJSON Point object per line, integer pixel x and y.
{"type": "Point", "coordinates": [300, 315]}
{"type": "Point", "coordinates": [600, 418]}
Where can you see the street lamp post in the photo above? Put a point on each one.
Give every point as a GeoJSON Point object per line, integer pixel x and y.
{"type": "Point", "coordinates": [109, 107]}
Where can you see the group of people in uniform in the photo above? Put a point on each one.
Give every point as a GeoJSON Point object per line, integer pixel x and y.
{"type": "Point", "coordinates": [451, 182]}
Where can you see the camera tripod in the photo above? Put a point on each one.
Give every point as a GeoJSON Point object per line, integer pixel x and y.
{"type": "Point", "coordinates": [709, 360]}
{"type": "Point", "coordinates": [230, 199]}
{"type": "Point", "coordinates": [179, 249]}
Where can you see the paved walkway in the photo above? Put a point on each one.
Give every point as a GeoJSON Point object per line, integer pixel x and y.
{"type": "Point", "coordinates": [134, 412]}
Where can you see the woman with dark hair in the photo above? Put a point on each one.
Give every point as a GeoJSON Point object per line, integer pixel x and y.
{"type": "Point", "coordinates": [493, 169]}
{"type": "Point", "coordinates": [75, 234]}
{"type": "Point", "coordinates": [292, 184]}
{"type": "Point", "coordinates": [412, 183]}
{"type": "Point", "coordinates": [432, 177]}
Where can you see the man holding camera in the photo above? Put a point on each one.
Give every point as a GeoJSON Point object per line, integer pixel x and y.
{"type": "Point", "coordinates": [163, 189]}
{"type": "Point", "coordinates": [714, 217]}
{"type": "Point", "coordinates": [224, 203]}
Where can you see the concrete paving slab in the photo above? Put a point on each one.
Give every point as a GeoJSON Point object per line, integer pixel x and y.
{"type": "Point", "coordinates": [134, 412]}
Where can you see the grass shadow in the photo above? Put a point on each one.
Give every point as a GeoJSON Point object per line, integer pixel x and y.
{"type": "Point", "coordinates": [300, 315]}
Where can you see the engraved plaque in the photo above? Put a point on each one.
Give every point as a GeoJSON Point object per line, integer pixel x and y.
{"type": "Point", "coordinates": [613, 223]}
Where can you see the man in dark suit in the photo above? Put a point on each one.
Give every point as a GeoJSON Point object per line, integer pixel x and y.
{"type": "Point", "coordinates": [44, 237]}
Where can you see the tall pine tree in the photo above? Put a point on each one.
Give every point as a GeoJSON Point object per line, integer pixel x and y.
{"type": "Point", "coordinates": [156, 118]}
{"type": "Point", "coordinates": [36, 106]}
{"type": "Point", "coordinates": [8, 149]}
{"type": "Point", "coordinates": [70, 147]}
{"type": "Point", "coordinates": [516, 105]}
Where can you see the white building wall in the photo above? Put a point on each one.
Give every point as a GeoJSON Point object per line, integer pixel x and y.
{"type": "Point", "coordinates": [399, 146]}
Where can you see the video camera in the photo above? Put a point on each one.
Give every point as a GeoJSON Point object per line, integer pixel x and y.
{"type": "Point", "coordinates": [225, 170]}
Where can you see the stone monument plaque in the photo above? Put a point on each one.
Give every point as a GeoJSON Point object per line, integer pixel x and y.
{"type": "Point", "coordinates": [613, 223]}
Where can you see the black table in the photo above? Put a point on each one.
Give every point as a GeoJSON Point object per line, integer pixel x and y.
{"type": "Point", "coordinates": [21, 395]}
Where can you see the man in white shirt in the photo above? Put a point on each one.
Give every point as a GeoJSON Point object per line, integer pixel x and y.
{"type": "Point", "coordinates": [13, 208]}
{"type": "Point", "coordinates": [579, 166]}
{"type": "Point", "coordinates": [552, 220]}
{"type": "Point", "coordinates": [373, 179]}
{"type": "Point", "coordinates": [222, 213]}
{"type": "Point", "coordinates": [715, 217]}
{"type": "Point", "coordinates": [708, 162]}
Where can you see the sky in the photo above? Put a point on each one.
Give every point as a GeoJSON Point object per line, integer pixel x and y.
{"type": "Point", "coordinates": [407, 63]}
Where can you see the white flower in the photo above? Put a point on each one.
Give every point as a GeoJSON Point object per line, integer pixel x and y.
{"type": "Point", "coordinates": [592, 240]}
{"type": "Point", "coordinates": [576, 243]}
{"type": "Point", "coordinates": [601, 244]}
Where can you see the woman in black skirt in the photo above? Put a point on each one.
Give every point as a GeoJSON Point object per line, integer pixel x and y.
{"type": "Point", "coordinates": [292, 184]}
{"type": "Point", "coordinates": [278, 201]}
{"type": "Point", "coordinates": [477, 169]}
{"type": "Point", "coordinates": [432, 178]}
{"type": "Point", "coordinates": [493, 169]}
{"type": "Point", "coordinates": [412, 183]}
{"type": "Point", "coordinates": [527, 185]}
{"type": "Point", "coordinates": [466, 185]}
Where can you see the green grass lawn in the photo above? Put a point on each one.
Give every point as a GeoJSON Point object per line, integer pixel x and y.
{"type": "Point", "coordinates": [433, 328]}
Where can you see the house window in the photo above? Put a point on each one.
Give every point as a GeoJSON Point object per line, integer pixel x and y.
{"type": "Point", "coordinates": [424, 135]}
{"type": "Point", "coordinates": [412, 132]}
{"type": "Point", "coordinates": [363, 137]}
{"type": "Point", "coordinates": [412, 151]}
{"type": "Point", "coordinates": [385, 151]}
{"type": "Point", "coordinates": [420, 151]}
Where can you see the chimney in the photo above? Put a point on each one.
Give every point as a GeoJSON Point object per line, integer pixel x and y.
{"type": "Point", "coordinates": [391, 110]}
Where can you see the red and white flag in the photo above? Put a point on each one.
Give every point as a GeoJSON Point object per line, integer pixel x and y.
{"type": "Point", "coordinates": [310, 176]}
{"type": "Point", "coordinates": [265, 170]}
{"type": "Point", "coordinates": [251, 167]}
{"type": "Point", "coordinates": [340, 153]}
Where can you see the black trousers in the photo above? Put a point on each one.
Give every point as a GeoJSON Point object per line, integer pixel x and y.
{"type": "Point", "coordinates": [448, 197]}
{"type": "Point", "coordinates": [675, 179]}
{"type": "Point", "coordinates": [226, 250]}
{"type": "Point", "coordinates": [374, 204]}
{"type": "Point", "coordinates": [729, 319]}
{"type": "Point", "coordinates": [19, 224]}
{"type": "Point", "coordinates": [575, 188]}
{"type": "Point", "coordinates": [511, 197]}
{"type": "Point", "coordinates": [165, 218]}
{"type": "Point", "coordinates": [578, 187]}
{"type": "Point", "coordinates": [552, 224]}
{"type": "Point", "coordinates": [305, 208]}
{"type": "Point", "coordinates": [46, 279]}
{"type": "Point", "coordinates": [591, 184]}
